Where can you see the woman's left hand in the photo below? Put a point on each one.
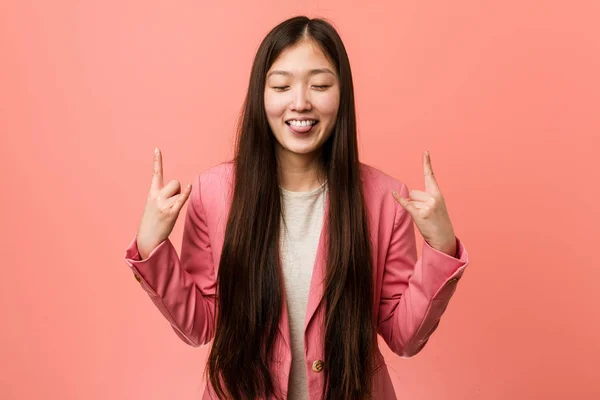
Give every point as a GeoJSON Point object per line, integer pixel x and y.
{"type": "Point", "coordinates": [428, 211]}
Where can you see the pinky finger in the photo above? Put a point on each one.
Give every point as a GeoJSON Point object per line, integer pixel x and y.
{"type": "Point", "coordinates": [182, 198]}
{"type": "Point", "coordinates": [173, 202]}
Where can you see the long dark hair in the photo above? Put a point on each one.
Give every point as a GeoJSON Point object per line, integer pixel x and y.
{"type": "Point", "coordinates": [250, 280]}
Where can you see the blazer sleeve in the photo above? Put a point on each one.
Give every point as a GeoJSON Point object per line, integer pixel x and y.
{"type": "Point", "coordinates": [182, 289]}
{"type": "Point", "coordinates": [415, 293]}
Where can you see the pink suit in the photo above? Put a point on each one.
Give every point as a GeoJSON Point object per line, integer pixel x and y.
{"type": "Point", "coordinates": [412, 294]}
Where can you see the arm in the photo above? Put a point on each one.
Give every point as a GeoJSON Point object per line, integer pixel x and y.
{"type": "Point", "coordinates": [415, 293]}
{"type": "Point", "coordinates": [181, 289]}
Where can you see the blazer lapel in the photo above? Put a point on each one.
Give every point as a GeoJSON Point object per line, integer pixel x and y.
{"type": "Point", "coordinates": [317, 282]}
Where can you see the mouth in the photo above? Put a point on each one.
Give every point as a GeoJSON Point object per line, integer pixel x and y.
{"type": "Point", "coordinates": [302, 127]}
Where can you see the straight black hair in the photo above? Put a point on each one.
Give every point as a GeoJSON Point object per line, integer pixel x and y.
{"type": "Point", "coordinates": [250, 280]}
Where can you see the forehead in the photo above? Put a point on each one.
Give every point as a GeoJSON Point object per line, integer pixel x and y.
{"type": "Point", "coordinates": [301, 59]}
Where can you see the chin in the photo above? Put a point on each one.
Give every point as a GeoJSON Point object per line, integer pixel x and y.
{"type": "Point", "coordinates": [301, 150]}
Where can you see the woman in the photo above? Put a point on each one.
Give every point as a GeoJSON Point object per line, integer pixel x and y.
{"type": "Point", "coordinates": [295, 255]}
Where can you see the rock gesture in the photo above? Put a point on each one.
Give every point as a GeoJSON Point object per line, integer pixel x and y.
{"type": "Point", "coordinates": [428, 211]}
{"type": "Point", "coordinates": [162, 209]}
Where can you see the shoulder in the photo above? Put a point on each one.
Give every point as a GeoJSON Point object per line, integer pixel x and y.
{"type": "Point", "coordinates": [217, 174]}
{"type": "Point", "coordinates": [214, 184]}
{"type": "Point", "coordinates": [377, 192]}
{"type": "Point", "coordinates": [219, 179]}
{"type": "Point", "coordinates": [376, 181]}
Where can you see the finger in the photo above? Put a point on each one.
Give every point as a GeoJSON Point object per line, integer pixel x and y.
{"type": "Point", "coordinates": [157, 176]}
{"type": "Point", "coordinates": [430, 182]}
{"type": "Point", "coordinates": [172, 188]}
{"type": "Point", "coordinates": [170, 202]}
{"type": "Point", "coordinates": [182, 198]}
{"type": "Point", "coordinates": [406, 203]}
{"type": "Point", "coordinates": [419, 195]}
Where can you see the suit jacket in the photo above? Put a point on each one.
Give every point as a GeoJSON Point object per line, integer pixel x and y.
{"type": "Point", "coordinates": [411, 293]}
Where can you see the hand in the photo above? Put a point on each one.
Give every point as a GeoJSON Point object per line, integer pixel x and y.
{"type": "Point", "coordinates": [428, 211]}
{"type": "Point", "coordinates": [162, 209]}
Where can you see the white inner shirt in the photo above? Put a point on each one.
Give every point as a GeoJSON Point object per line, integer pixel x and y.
{"type": "Point", "coordinates": [303, 214]}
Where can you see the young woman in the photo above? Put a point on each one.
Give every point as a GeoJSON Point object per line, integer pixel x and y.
{"type": "Point", "coordinates": [295, 255]}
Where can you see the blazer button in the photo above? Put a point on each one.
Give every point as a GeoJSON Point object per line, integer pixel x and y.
{"type": "Point", "coordinates": [317, 366]}
{"type": "Point", "coordinates": [137, 278]}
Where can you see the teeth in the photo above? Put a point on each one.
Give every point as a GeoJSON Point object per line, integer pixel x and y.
{"type": "Point", "coordinates": [302, 123]}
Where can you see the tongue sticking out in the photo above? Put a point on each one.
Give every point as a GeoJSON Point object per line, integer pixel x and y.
{"type": "Point", "coordinates": [300, 129]}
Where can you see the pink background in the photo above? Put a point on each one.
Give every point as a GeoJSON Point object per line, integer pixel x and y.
{"type": "Point", "coordinates": [505, 96]}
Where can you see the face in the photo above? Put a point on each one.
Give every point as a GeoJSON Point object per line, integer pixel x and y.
{"type": "Point", "coordinates": [302, 98]}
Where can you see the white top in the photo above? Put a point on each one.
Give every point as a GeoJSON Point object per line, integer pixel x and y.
{"type": "Point", "coordinates": [303, 214]}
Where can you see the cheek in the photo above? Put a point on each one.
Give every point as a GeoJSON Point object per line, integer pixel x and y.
{"type": "Point", "coordinates": [274, 107]}
{"type": "Point", "coordinates": [328, 105]}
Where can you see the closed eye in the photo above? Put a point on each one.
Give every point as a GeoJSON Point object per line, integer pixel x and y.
{"type": "Point", "coordinates": [318, 87]}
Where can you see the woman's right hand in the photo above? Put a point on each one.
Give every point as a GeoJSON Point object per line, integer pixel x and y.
{"type": "Point", "coordinates": [162, 209]}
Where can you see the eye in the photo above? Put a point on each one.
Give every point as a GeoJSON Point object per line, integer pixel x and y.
{"type": "Point", "coordinates": [321, 87]}
{"type": "Point", "coordinates": [280, 88]}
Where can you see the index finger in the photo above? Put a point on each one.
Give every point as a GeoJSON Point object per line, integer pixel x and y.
{"type": "Point", "coordinates": [430, 182]}
{"type": "Point", "coordinates": [157, 176]}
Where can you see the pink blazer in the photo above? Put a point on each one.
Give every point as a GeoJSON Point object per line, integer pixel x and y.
{"type": "Point", "coordinates": [412, 294]}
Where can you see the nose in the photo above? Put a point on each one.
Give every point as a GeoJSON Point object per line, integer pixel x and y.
{"type": "Point", "coordinates": [301, 100]}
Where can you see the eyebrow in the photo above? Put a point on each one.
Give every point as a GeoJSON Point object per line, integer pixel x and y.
{"type": "Point", "coordinates": [312, 72]}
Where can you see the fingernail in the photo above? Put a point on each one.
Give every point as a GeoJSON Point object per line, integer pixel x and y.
{"type": "Point", "coordinates": [156, 150]}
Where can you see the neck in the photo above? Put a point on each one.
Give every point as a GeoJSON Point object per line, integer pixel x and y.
{"type": "Point", "coordinates": [300, 172]}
